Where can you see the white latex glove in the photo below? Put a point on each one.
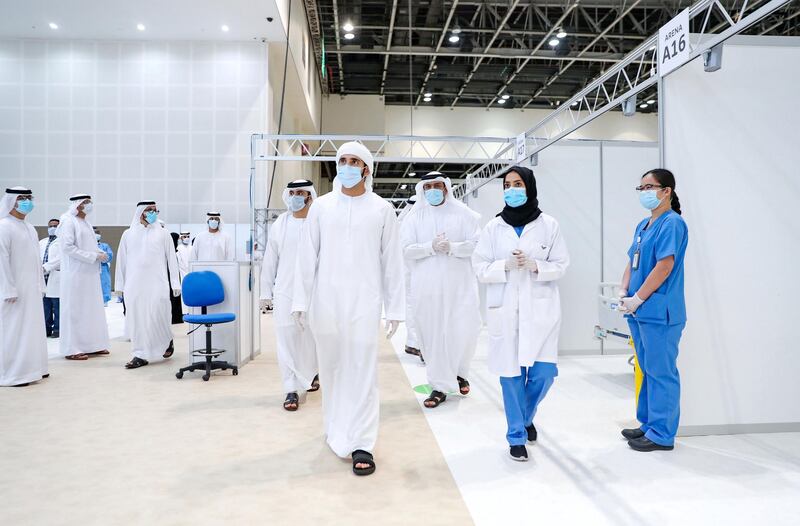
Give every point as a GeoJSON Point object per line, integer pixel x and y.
{"type": "Point", "coordinates": [12, 300]}
{"type": "Point", "coordinates": [299, 319]}
{"type": "Point", "coordinates": [622, 293]}
{"type": "Point", "coordinates": [265, 305]}
{"type": "Point", "coordinates": [102, 257]}
{"type": "Point", "coordinates": [441, 245]}
{"type": "Point", "coordinates": [516, 260]}
{"type": "Point", "coordinates": [176, 292]}
{"type": "Point", "coordinates": [391, 328]}
{"type": "Point", "coordinates": [530, 264]}
{"type": "Point", "coordinates": [631, 303]}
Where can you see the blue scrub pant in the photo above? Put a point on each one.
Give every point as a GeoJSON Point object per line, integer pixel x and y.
{"type": "Point", "coordinates": [105, 283]}
{"type": "Point", "coordinates": [659, 406]}
{"type": "Point", "coordinates": [51, 313]}
{"type": "Point", "coordinates": [522, 395]}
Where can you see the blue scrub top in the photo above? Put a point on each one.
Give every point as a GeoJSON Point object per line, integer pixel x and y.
{"type": "Point", "coordinates": [667, 236]}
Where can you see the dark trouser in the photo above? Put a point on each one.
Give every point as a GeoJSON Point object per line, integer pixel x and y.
{"type": "Point", "coordinates": [50, 315]}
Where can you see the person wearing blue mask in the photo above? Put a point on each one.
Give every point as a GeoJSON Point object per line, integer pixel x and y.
{"type": "Point", "coordinates": [349, 265]}
{"type": "Point", "coordinates": [656, 310]}
{"type": "Point", "coordinates": [23, 344]}
{"type": "Point", "coordinates": [147, 268]}
{"type": "Point", "coordinates": [84, 331]}
{"type": "Point", "coordinates": [105, 272]}
{"type": "Point", "coordinates": [521, 255]}
{"type": "Point", "coordinates": [50, 254]}
{"type": "Point", "coordinates": [297, 355]}
{"type": "Point", "coordinates": [213, 244]}
{"type": "Point", "coordinates": [439, 235]}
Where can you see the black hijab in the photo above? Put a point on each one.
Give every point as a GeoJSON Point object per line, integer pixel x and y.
{"type": "Point", "coordinates": [522, 215]}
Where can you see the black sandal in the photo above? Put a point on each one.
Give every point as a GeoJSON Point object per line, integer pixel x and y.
{"type": "Point", "coordinates": [437, 397]}
{"type": "Point", "coordinates": [463, 386]}
{"type": "Point", "coordinates": [314, 384]}
{"type": "Point", "coordinates": [291, 398]}
{"type": "Point", "coordinates": [362, 457]}
{"type": "Point", "coordinates": [136, 363]}
{"type": "Point", "coordinates": [170, 350]}
{"type": "Point", "coordinates": [413, 351]}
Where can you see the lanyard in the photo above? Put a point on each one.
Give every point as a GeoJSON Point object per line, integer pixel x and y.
{"type": "Point", "coordinates": [637, 254]}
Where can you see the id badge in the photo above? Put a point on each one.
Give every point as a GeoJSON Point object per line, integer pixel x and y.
{"type": "Point", "coordinates": [635, 263]}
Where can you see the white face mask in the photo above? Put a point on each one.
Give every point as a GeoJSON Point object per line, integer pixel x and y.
{"type": "Point", "coordinates": [87, 208]}
{"type": "Point", "coordinates": [185, 240]}
{"type": "Point", "coordinates": [51, 231]}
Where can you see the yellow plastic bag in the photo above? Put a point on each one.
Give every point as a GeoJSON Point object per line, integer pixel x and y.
{"type": "Point", "coordinates": [638, 376]}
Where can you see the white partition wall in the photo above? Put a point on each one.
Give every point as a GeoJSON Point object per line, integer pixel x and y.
{"type": "Point", "coordinates": [732, 141]}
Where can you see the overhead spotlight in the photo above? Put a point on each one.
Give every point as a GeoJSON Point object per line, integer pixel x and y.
{"type": "Point", "coordinates": [453, 38]}
{"type": "Point", "coordinates": [651, 48]}
{"type": "Point", "coordinates": [456, 30]}
{"type": "Point", "coordinates": [506, 96]}
{"type": "Point", "coordinates": [140, 27]}
{"type": "Point", "coordinates": [651, 101]}
{"type": "Point", "coordinates": [427, 99]}
{"type": "Point", "coordinates": [501, 101]}
{"type": "Point", "coordinates": [225, 28]}
{"type": "Point", "coordinates": [554, 42]}
{"type": "Point", "coordinates": [574, 103]}
{"type": "Point", "coordinates": [53, 25]}
{"type": "Point", "coordinates": [428, 94]}
{"type": "Point", "coordinates": [561, 33]}
{"type": "Point", "coordinates": [349, 36]}
{"type": "Point", "coordinates": [347, 27]}
{"type": "Point", "coordinates": [412, 174]}
{"type": "Point", "coordinates": [643, 106]}
{"type": "Point", "coordinates": [403, 187]}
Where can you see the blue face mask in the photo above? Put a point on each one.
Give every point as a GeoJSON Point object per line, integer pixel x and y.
{"type": "Point", "coordinates": [649, 199]}
{"type": "Point", "coordinates": [97, 237]}
{"type": "Point", "coordinates": [151, 217]}
{"type": "Point", "coordinates": [213, 223]}
{"type": "Point", "coordinates": [349, 176]}
{"type": "Point", "coordinates": [297, 203]}
{"type": "Point", "coordinates": [24, 207]}
{"type": "Point", "coordinates": [434, 196]}
{"type": "Point", "coordinates": [515, 197]}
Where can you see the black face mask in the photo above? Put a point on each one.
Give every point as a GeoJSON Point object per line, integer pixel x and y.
{"type": "Point", "coordinates": [528, 212]}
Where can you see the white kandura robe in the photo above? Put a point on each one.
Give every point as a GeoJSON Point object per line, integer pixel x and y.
{"type": "Point", "coordinates": [143, 257]}
{"type": "Point", "coordinates": [23, 343]}
{"type": "Point", "coordinates": [446, 302]}
{"type": "Point", "coordinates": [183, 253]}
{"type": "Point", "coordinates": [524, 307]}
{"type": "Point", "coordinates": [52, 267]}
{"type": "Point", "coordinates": [212, 247]}
{"type": "Point", "coordinates": [297, 354]}
{"type": "Point", "coordinates": [412, 339]}
{"type": "Point", "coordinates": [349, 263]}
{"type": "Point", "coordinates": [83, 327]}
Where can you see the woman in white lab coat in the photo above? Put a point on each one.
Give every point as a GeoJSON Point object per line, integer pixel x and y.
{"type": "Point", "coordinates": [520, 256]}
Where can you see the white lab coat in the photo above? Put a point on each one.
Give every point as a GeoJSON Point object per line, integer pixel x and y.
{"type": "Point", "coordinates": [297, 354]}
{"type": "Point", "coordinates": [349, 263]}
{"type": "Point", "coordinates": [23, 344]}
{"type": "Point", "coordinates": [53, 266]}
{"type": "Point", "coordinates": [143, 257]}
{"type": "Point", "coordinates": [446, 305]}
{"type": "Point", "coordinates": [183, 253]}
{"type": "Point", "coordinates": [83, 327]}
{"type": "Point", "coordinates": [524, 308]}
{"type": "Point", "coordinates": [212, 247]}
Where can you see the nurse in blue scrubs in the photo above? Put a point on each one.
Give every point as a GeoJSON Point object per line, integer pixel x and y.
{"type": "Point", "coordinates": [654, 304]}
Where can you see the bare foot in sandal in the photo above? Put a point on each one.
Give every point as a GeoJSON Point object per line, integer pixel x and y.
{"type": "Point", "coordinates": [435, 398]}
{"type": "Point", "coordinates": [104, 352]}
{"type": "Point", "coordinates": [79, 356]}
{"type": "Point", "coordinates": [292, 402]}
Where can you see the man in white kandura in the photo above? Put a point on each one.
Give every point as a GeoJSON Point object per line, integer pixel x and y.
{"type": "Point", "coordinates": [50, 257]}
{"type": "Point", "coordinates": [84, 331]}
{"type": "Point", "coordinates": [184, 252]}
{"type": "Point", "coordinates": [145, 253]}
{"type": "Point", "coordinates": [349, 263]}
{"type": "Point", "coordinates": [213, 244]}
{"type": "Point", "coordinates": [297, 355]}
{"type": "Point", "coordinates": [23, 344]}
{"type": "Point", "coordinates": [439, 236]}
{"type": "Point", "coordinates": [412, 339]}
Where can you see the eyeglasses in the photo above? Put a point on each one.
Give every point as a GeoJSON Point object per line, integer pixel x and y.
{"type": "Point", "coordinates": [646, 187]}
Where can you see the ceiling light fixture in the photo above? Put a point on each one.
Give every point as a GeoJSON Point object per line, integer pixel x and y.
{"type": "Point", "coordinates": [427, 99]}
{"type": "Point", "coordinates": [348, 27]}
{"type": "Point", "coordinates": [561, 33]}
{"type": "Point", "coordinates": [53, 25]}
{"type": "Point", "coordinates": [349, 36]}
{"type": "Point", "coordinates": [651, 101]}
{"type": "Point", "coordinates": [651, 48]}
{"type": "Point", "coordinates": [554, 42]}
{"type": "Point", "coordinates": [643, 106]}
{"type": "Point", "coordinates": [574, 103]}
{"type": "Point", "coordinates": [412, 174]}
{"type": "Point", "coordinates": [506, 97]}
{"type": "Point", "coordinates": [140, 27]}
{"type": "Point", "coordinates": [403, 187]}
{"type": "Point", "coordinates": [225, 28]}
{"type": "Point", "coordinates": [453, 39]}
{"type": "Point", "coordinates": [501, 101]}
{"type": "Point", "coordinates": [428, 94]}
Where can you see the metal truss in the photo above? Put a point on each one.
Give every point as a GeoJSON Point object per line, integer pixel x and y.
{"type": "Point", "coordinates": [385, 148]}
{"type": "Point", "coordinates": [636, 73]}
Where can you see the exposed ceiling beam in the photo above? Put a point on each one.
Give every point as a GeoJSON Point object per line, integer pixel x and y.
{"type": "Point", "coordinates": [499, 53]}
{"type": "Point", "coordinates": [596, 27]}
{"type": "Point", "coordinates": [388, 44]}
{"type": "Point", "coordinates": [511, 31]}
{"type": "Point", "coordinates": [432, 62]}
{"type": "Point", "coordinates": [338, 45]}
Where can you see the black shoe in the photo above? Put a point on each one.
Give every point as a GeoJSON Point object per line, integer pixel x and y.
{"type": "Point", "coordinates": [632, 434]}
{"type": "Point", "coordinates": [532, 434]}
{"type": "Point", "coordinates": [646, 445]}
{"type": "Point", "coordinates": [23, 385]}
{"type": "Point", "coordinates": [54, 335]}
{"type": "Point", "coordinates": [46, 375]}
{"type": "Point", "coordinates": [170, 350]}
{"type": "Point", "coordinates": [519, 453]}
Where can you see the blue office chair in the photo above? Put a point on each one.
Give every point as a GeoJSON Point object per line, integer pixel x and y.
{"type": "Point", "coordinates": [202, 289]}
